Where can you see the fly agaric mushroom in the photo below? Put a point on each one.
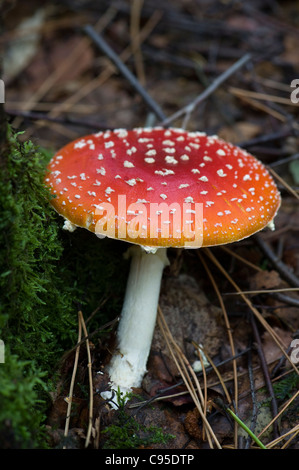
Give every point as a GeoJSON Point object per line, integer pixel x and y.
{"type": "Point", "coordinates": [157, 188]}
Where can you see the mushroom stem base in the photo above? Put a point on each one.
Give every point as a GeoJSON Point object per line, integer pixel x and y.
{"type": "Point", "coordinates": [138, 318]}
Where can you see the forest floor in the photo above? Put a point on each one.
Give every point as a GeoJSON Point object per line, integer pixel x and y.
{"type": "Point", "coordinates": [59, 86]}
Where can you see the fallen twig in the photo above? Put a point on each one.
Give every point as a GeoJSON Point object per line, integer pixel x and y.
{"type": "Point", "coordinates": [253, 395]}
{"type": "Point", "coordinates": [229, 332]}
{"type": "Point", "coordinates": [187, 374]}
{"type": "Point", "coordinates": [283, 270]}
{"type": "Point", "coordinates": [265, 371]}
{"type": "Point", "coordinates": [187, 110]}
{"type": "Point", "coordinates": [70, 396]}
{"type": "Point", "coordinates": [261, 319]}
{"type": "Point", "coordinates": [89, 365]}
{"type": "Point", "coordinates": [123, 69]}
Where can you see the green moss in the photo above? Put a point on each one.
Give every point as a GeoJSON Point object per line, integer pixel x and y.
{"type": "Point", "coordinates": [286, 387]}
{"type": "Point", "coordinates": [20, 409]}
{"type": "Point", "coordinates": [127, 433]}
{"type": "Point", "coordinates": [32, 291]}
{"type": "Point", "coordinates": [44, 273]}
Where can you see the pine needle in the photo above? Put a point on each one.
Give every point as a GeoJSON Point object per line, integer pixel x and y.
{"type": "Point", "coordinates": [70, 396]}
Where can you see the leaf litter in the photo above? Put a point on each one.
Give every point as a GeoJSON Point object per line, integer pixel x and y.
{"type": "Point", "coordinates": [176, 51]}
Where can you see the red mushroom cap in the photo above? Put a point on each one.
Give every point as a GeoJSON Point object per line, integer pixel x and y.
{"type": "Point", "coordinates": [149, 185]}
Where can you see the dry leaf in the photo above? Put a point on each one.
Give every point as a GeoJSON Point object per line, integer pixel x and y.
{"type": "Point", "coordinates": [271, 350]}
{"type": "Point", "coordinates": [239, 132]}
{"type": "Point", "coordinates": [265, 280]}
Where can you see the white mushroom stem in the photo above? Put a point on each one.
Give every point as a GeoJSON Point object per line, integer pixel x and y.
{"type": "Point", "coordinates": [138, 318]}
